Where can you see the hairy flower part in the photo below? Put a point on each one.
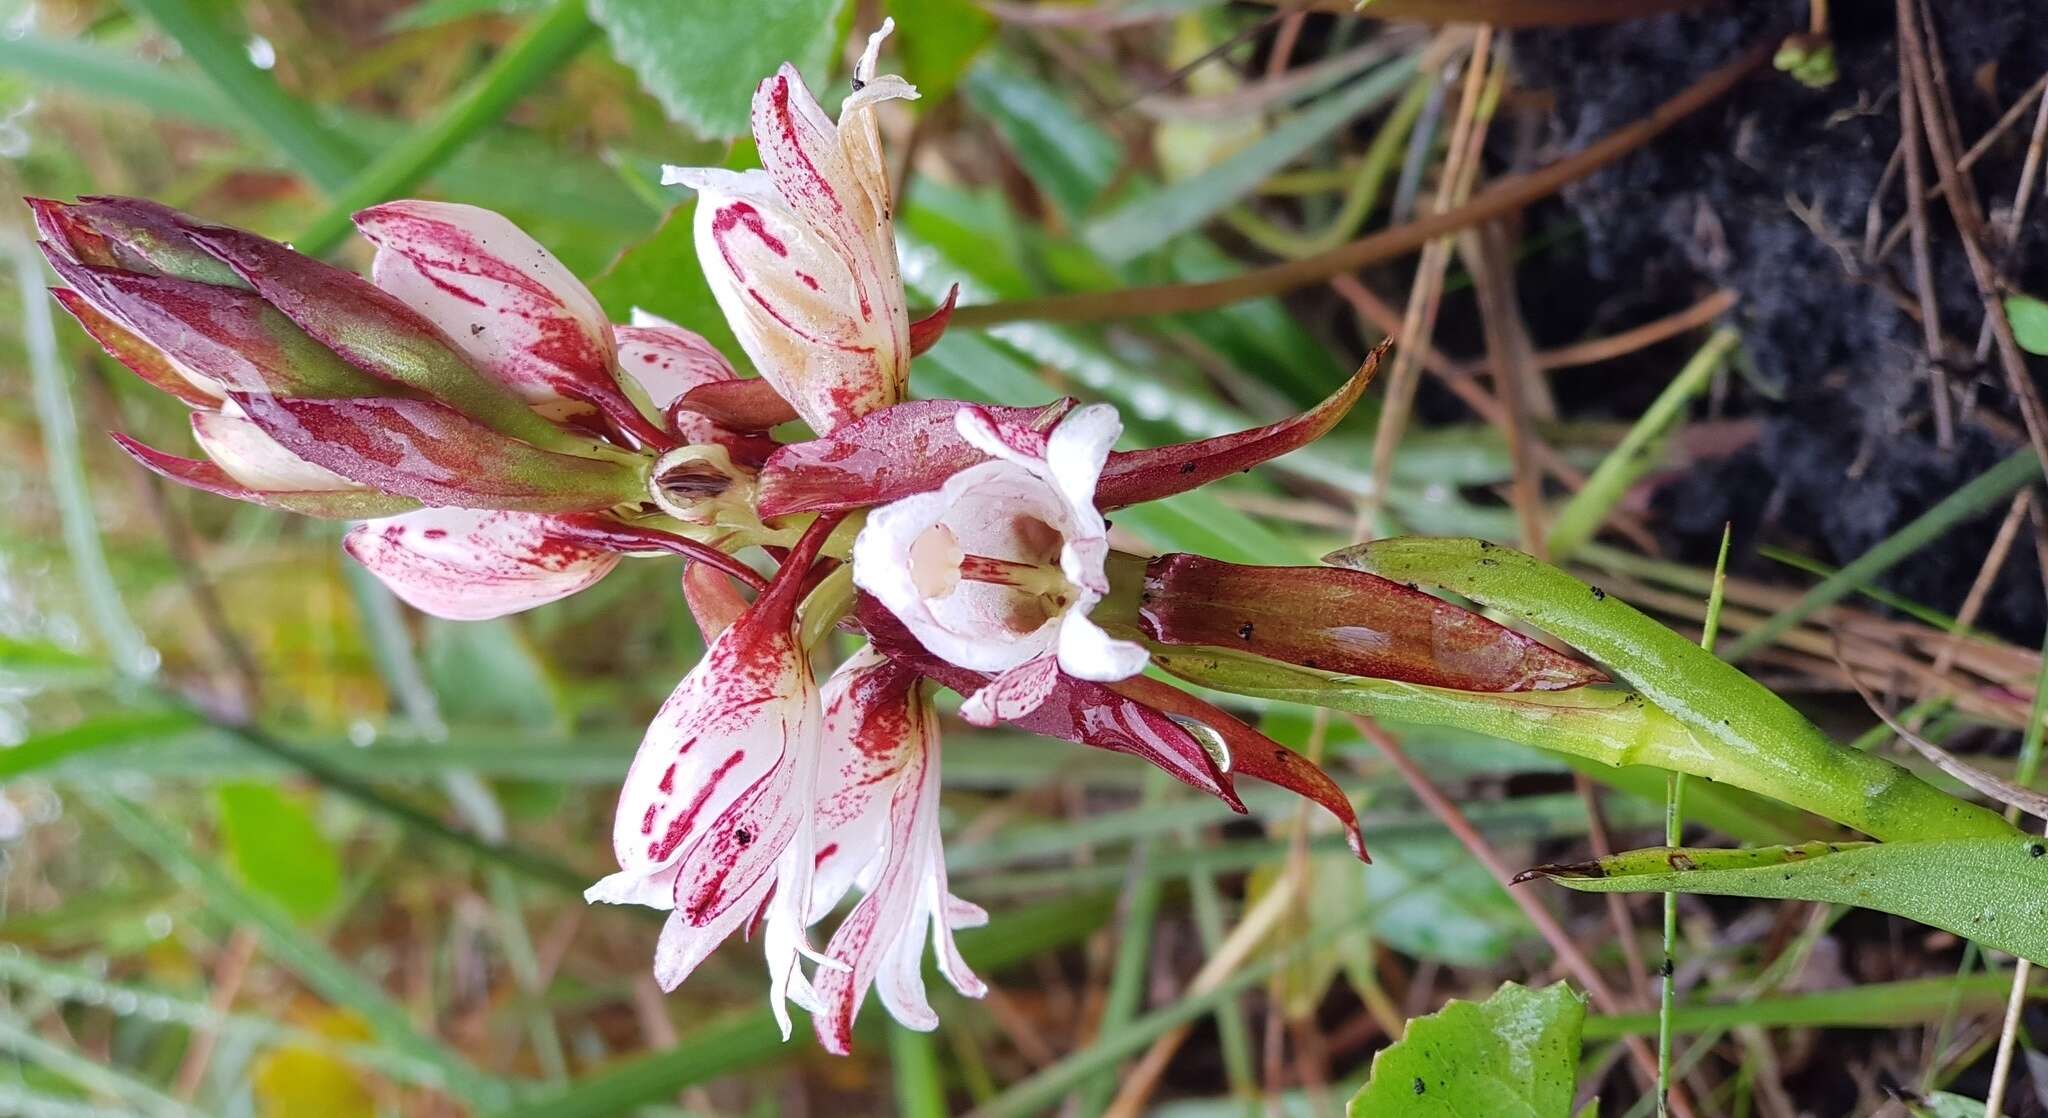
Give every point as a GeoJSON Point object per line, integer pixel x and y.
{"type": "Point", "coordinates": [472, 564]}
{"type": "Point", "coordinates": [998, 569]}
{"type": "Point", "coordinates": [715, 819]}
{"type": "Point", "coordinates": [801, 255]}
{"type": "Point", "coordinates": [878, 828]}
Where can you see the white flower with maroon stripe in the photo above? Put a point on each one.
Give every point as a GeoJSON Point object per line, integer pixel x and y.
{"type": "Point", "coordinates": [245, 453]}
{"type": "Point", "coordinates": [475, 564]}
{"type": "Point", "coordinates": [714, 820]}
{"type": "Point", "coordinates": [801, 255]}
{"type": "Point", "coordinates": [667, 362]}
{"type": "Point", "coordinates": [998, 569]}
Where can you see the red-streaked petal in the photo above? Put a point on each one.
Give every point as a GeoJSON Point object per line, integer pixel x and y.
{"type": "Point", "coordinates": [795, 303]}
{"type": "Point", "coordinates": [141, 358]}
{"type": "Point", "coordinates": [1252, 753]}
{"type": "Point", "coordinates": [1014, 694]}
{"type": "Point", "coordinates": [1135, 476]}
{"type": "Point", "coordinates": [926, 332]}
{"type": "Point", "coordinates": [432, 454]}
{"type": "Point", "coordinates": [471, 565]}
{"type": "Point", "coordinates": [1076, 710]}
{"type": "Point", "coordinates": [883, 456]}
{"type": "Point", "coordinates": [715, 603]}
{"type": "Point", "coordinates": [500, 297]}
{"type": "Point", "coordinates": [128, 234]}
{"type": "Point", "coordinates": [668, 361]}
{"type": "Point", "coordinates": [348, 504]}
{"type": "Point", "coordinates": [1347, 622]}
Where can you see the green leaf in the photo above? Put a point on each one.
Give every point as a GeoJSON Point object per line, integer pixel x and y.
{"type": "Point", "coordinates": [938, 39]}
{"type": "Point", "coordinates": [1431, 899]}
{"type": "Point", "coordinates": [485, 672]}
{"type": "Point", "coordinates": [660, 275]}
{"type": "Point", "coordinates": [278, 850]}
{"type": "Point", "coordinates": [1991, 890]}
{"type": "Point", "coordinates": [1741, 732]}
{"type": "Point", "coordinates": [702, 58]}
{"type": "Point", "coordinates": [2029, 318]}
{"type": "Point", "coordinates": [1941, 1104]}
{"type": "Point", "coordinates": [1151, 220]}
{"type": "Point", "coordinates": [1514, 1055]}
{"type": "Point", "coordinates": [107, 731]}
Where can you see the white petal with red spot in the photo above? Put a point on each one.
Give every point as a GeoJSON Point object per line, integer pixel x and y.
{"type": "Point", "coordinates": [878, 826]}
{"type": "Point", "coordinates": [667, 361]}
{"type": "Point", "coordinates": [472, 564]}
{"type": "Point", "coordinates": [255, 459]}
{"type": "Point", "coordinates": [1031, 509]}
{"type": "Point", "coordinates": [498, 295]}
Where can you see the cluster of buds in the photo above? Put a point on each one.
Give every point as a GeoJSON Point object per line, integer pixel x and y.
{"type": "Point", "coordinates": [503, 445]}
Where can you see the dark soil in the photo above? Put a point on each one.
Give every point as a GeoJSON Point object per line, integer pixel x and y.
{"type": "Point", "coordinates": [1847, 450]}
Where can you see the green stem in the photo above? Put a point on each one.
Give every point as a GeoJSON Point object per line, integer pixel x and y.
{"type": "Point", "coordinates": [1750, 737]}
{"type": "Point", "coordinates": [1133, 949]}
{"type": "Point", "coordinates": [1981, 492]}
{"type": "Point", "coordinates": [914, 1069]}
{"type": "Point", "coordinates": [254, 94]}
{"type": "Point", "coordinates": [539, 51]}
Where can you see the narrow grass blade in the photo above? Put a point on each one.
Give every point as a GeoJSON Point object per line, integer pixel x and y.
{"type": "Point", "coordinates": [18, 1037]}
{"type": "Point", "coordinates": [307, 957]}
{"type": "Point", "coordinates": [1631, 458]}
{"type": "Point", "coordinates": [1991, 890]}
{"type": "Point", "coordinates": [914, 1070]}
{"type": "Point", "coordinates": [1874, 1005]}
{"type": "Point", "coordinates": [1980, 493]}
{"type": "Point", "coordinates": [253, 94]}
{"type": "Point", "coordinates": [552, 40]}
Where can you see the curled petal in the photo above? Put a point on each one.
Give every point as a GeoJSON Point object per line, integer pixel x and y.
{"type": "Point", "coordinates": [256, 460]}
{"type": "Point", "coordinates": [1348, 622]}
{"type": "Point", "coordinates": [126, 234]}
{"type": "Point", "coordinates": [432, 454]}
{"type": "Point", "coordinates": [926, 332]}
{"type": "Point", "coordinates": [1015, 693]}
{"type": "Point", "coordinates": [141, 358]}
{"type": "Point", "coordinates": [500, 297]}
{"type": "Point", "coordinates": [1076, 710]}
{"type": "Point", "coordinates": [341, 504]}
{"type": "Point", "coordinates": [471, 565]}
{"type": "Point", "coordinates": [883, 456]}
{"type": "Point", "coordinates": [1133, 477]}
{"type": "Point", "coordinates": [715, 603]}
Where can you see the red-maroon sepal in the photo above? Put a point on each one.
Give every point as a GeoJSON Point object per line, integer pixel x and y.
{"type": "Point", "coordinates": [882, 456]}
{"type": "Point", "coordinates": [129, 234]}
{"type": "Point", "coordinates": [1348, 622]}
{"type": "Point", "coordinates": [140, 358]}
{"type": "Point", "coordinates": [434, 455]}
{"type": "Point", "coordinates": [1252, 753]}
{"type": "Point", "coordinates": [1136, 476]}
{"type": "Point", "coordinates": [926, 332]}
{"type": "Point", "coordinates": [748, 404]}
{"type": "Point", "coordinates": [196, 473]}
{"type": "Point", "coordinates": [1077, 710]}
{"type": "Point", "coordinates": [224, 335]}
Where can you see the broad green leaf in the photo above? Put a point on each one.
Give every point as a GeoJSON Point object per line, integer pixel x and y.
{"type": "Point", "coordinates": [1993, 891]}
{"type": "Point", "coordinates": [1429, 898]}
{"type": "Point", "coordinates": [937, 39]}
{"type": "Point", "coordinates": [1740, 731]}
{"type": "Point", "coordinates": [485, 672]}
{"type": "Point", "coordinates": [1151, 220]}
{"type": "Point", "coordinates": [106, 731]}
{"type": "Point", "coordinates": [2029, 318]}
{"type": "Point", "coordinates": [702, 58]}
{"type": "Point", "coordinates": [1514, 1055]}
{"type": "Point", "coordinates": [1942, 1104]}
{"type": "Point", "coordinates": [277, 848]}
{"type": "Point", "coordinates": [660, 275]}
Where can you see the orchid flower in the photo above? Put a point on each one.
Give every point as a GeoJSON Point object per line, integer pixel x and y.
{"type": "Point", "coordinates": [501, 445]}
{"type": "Point", "coordinates": [997, 570]}
{"type": "Point", "coordinates": [878, 826]}
{"type": "Point", "coordinates": [801, 255]}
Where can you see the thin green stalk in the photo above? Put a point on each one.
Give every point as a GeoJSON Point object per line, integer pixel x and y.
{"type": "Point", "coordinates": [1581, 517]}
{"type": "Point", "coordinates": [1045, 1088]}
{"type": "Point", "coordinates": [131, 654]}
{"type": "Point", "coordinates": [284, 940]}
{"type": "Point", "coordinates": [1233, 1034]}
{"type": "Point", "coordinates": [544, 46]}
{"type": "Point", "coordinates": [914, 1069]}
{"type": "Point", "coordinates": [254, 94]}
{"type": "Point", "coordinates": [18, 1037]}
{"type": "Point", "coordinates": [1674, 833]}
{"type": "Point", "coordinates": [1133, 948]}
{"type": "Point", "coordinates": [1877, 594]}
{"type": "Point", "coordinates": [1981, 492]}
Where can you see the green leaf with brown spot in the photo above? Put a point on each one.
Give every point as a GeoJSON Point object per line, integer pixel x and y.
{"type": "Point", "coordinates": [1514, 1055]}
